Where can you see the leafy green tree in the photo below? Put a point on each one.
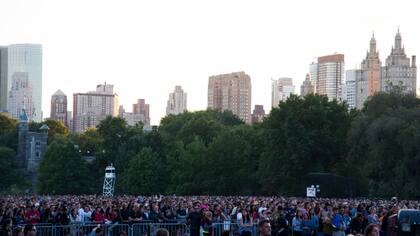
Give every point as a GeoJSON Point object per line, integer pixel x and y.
{"type": "Point", "coordinates": [144, 174]}
{"type": "Point", "coordinates": [384, 153]}
{"type": "Point", "coordinates": [55, 128]}
{"type": "Point", "coordinates": [62, 170]}
{"type": "Point", "coordinates": [8, 131]}
{"type": "Point", "coordinates": [229, 168]}
{"type": "Point", "coordinates": [303, 135]}
{"type": "Point", "coordinates": [185, 167]}
{"type": "Point", "coordinates": [11, 174]}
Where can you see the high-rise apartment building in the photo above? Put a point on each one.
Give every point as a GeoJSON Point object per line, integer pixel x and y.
{"type": "Point", "coordinates": [142, 109]}
{"type": "Point", "coordinates": [177, 102]}
{"type": "Point", "coordinates": [91, 108]}
{"type": "Point", "coordinates": [258, 114]}
{"type": "Point", "coordinates": [140, 114]}
{"type": "Point", "coordinates": [59, 107]}
{"type": "Point", "coordinates": [398, 71]}
{"type": "Point", "coordinates": [231, 92]}
{"type": "Point", "coordinates": [307, 87]}
{"type": "Point", "coordinates": [330, 76]}
{"type": "Point", "coordinates": [281, 89]}
{"type": "Point", "coordinates": [16, 62]}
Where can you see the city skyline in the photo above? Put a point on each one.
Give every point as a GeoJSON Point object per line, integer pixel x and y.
{"type": "Point", "coordinates": [148, 48]}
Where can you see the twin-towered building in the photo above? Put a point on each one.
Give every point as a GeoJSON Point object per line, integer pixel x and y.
{"type": "Point", "coordinates": [399, 72]}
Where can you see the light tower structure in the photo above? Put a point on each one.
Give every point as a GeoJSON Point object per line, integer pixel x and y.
{"type": "Point", "coordinates": [109, 181]}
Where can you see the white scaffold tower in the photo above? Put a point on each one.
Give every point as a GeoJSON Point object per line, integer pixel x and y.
{"type": "Point", "coordinates": [109, 181]}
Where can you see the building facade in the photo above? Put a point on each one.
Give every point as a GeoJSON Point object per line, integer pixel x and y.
{"type": "Point", "coordinates": [398, 70]}
{"type": "Point", "coordinates": [3, 79]}
{"type": "Point", "coordinates": [142, 109]}
{"type": "Point", "coordinates": [16, 61]}
{"type": "Point", "coordinates": [330, 76]}
{"type": "Point", "coordinates": [258, 114]}
{"type": "Point", "coordinates": [140, 114]}
{"type": "Point", "coordinates": [313, 71]}
{"type": "Point", "coordinates": [59, 107]}
{"type": "Point", "coordinates": [372, 65]}
{"type": "Point", "coordinates": [357, 88]}
{"type": "Point", "coordinates": [20, 96]}
{"type": "Point", "coordinates": [31, 147]}
{"type": "Point", "coordinates": [91, 108]}
{"type": "Point", "coordinates": [307, 87]}
{"type": "Point", "coordinates": [231, 92]}
{"type": "Point", "coordinates": [281, 89]}
{"type": "Point", "coordinates": [177, 102]}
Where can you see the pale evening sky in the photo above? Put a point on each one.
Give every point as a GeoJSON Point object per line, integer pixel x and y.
{"type": "Point", "coordinates": [145, 48]}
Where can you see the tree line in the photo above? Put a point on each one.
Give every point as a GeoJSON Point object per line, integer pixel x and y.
{"type": "Point", "coordinates": [376, 151]}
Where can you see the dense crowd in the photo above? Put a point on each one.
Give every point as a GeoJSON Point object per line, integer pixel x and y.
{"type": "Point", "coordinates": [287, 216]}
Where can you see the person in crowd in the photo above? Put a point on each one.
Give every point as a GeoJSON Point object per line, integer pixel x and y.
{"type": "Point", "coordinates": [297, 223]}
{"type": "Point", "coordinates": [372, 230]}
{"type": "Point", "coordinates": [7, 227]}
{"type": "Point", "coordinates": [206, 223]}
{"type": "Point", "coordinates": [245, 224]}
{"type": "Point", "coordinates": [373, 217]}
{"type": "Point", "coordinates": [18, 231]}
{"type": "Point", "coordinates": [29, 230]}
{"type": "Point", "coordinates": [162, 232]}
{"type": "Point", "coordinates": [338, 224]}
{"type": "Point", "coordinates": [357, 224]}
{"type": "Point", "coordinates": [264, 228]}
{"type": "Point", "coordinates": [194, 220]}
{"type": "Point", "coordinates": [32, 215]}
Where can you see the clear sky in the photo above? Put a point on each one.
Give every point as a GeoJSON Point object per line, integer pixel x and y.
{"type": "Point", "coordinates": [145, 48]}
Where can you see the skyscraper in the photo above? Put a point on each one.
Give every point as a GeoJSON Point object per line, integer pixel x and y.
{"type": "Point", "coordinates": [398, 71]}
{"type": "Point", "coordinates": [18, 61]}
{"type": "Point", "coordinates": [330, 76]}
{"type": "Point", "coordinates": [313, 70]}
{"type": "Point", "coordinates": [307, 87]}
{"type": "Point", "coordinates": [59, 107]}
{"type": "Point", "coordinates": [91, 108]}
{"type": "Point", "coordinates": [258, 114]}
{"type": "Point", "coordinates": [3, 79]}
{"type": "Point", "coordinates": [281, 89]}
{"type": "Point", "coordinates": [231, 92]}
{"type": "Point", "coordinates": [177, 102]}
{"type": "Point", "coordinates": [372, 65]}
{"type": "Point", "coordinates": [20, 96]}
{"type": "Point", "coordinates": [142, 109]}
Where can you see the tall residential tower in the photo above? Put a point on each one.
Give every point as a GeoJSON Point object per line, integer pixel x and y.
{"type": "Point", "coordinates": [330, 75]}
{"type": "Point", "coordinates": [231, 92]}
{"type": "Point", "coordinates": [59, 107]}
{"type": "Point", "coordinates": [281, 89]}
{"type": "Point", "coordinates": [177, 102]}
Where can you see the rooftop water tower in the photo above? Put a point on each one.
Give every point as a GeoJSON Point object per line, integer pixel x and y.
{"type": "Point", "coordinates": [109, 181]}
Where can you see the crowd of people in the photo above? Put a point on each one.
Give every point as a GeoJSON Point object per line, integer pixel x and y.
{"type": "Point", "coordinates": [205, 215]}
